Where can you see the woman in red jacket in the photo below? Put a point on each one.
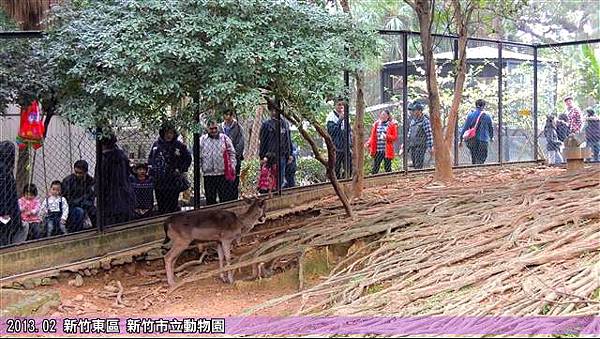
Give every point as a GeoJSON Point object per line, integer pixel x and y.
{"type": "Point", "coordinates": [381, 142]}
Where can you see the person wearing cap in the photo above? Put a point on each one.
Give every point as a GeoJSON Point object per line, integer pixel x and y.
{"type": "Point", "coordinates": [484, 132]}
{"type": "Point", "coordinates": [574, 114]}
{"type": "Point", "coordinates": [592, 133]}
{"type": "Point", "coordinates": [420, 138]}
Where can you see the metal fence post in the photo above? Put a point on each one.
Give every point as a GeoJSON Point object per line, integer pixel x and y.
{"type": "Point", "coordinates": [196, 159]}
{"type": "Point", "coordinates": [99, 182]}
{"type": "Point", "coordinates": [535, 103]}
{"type": "Point", "coordinates": [500, 106]}
{"type": "Point", "coordinates": [405, 101]}
{"type": "Point", "coordinates": [456, 122]}
{"type": "Point", "coordinates": [347, 130]}
{"type": "Point", "coordinates": [280, 173]}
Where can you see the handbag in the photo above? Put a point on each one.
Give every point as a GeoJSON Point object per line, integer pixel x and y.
{"type": "Point", "coordinates": [181, 183]}
{"type": "Point", "coordinates": [472, 132]}
{"type": "Point", "coordinates": [228, 166]}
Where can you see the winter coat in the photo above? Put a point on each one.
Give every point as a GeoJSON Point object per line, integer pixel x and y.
{"type": "Point", "coordinates": [337, 131]}
{"type": "Point", "coordinates": [592, 129]}
{"type": "Point", "coordinates": [390, 137]}
{"type": "Point", "coordinates": [30, 209]}
{"type": "Point", "coordinates": [79, 192]}
{"type": "Point", "coordinates": [485, 128]}
{"type": "Point", "coordinates": [165, 158]}
{"type": "Point", "coordinates": [143, 192]}
{"type": "Point", "coordinates": [562, 130]}
{"type": "Point", "coordinates": [552, 142]}
{"type": "Point", "coordinates": [574, 115]}
{"type": "Point", "coordinates": [211, 154]}
{"type": "Point", "coordinates": [419, 133]}
{"type": "Point", "coordinates": [269, 139]}
{"type": "Point", "coordinates": [118, 197]}
{"type": "Point", "coordinates": [9, 202]}
{"type": "Point", "coordinates": [267, 180]}
{"type": "Point", "coordinates": [235, 133]}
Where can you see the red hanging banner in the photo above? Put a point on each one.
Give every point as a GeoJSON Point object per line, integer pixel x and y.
{"type": "Point", "coordinates": [31, 130]}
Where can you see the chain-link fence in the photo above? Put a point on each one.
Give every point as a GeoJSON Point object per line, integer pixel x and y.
{"type": "Point", "coordinates": [143, 173]}
{"type": "Point", "coordinates": [568, 101]}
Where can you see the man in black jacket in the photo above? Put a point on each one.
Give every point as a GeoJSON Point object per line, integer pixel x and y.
{"type": "Point", "coordinates": [10, 217]}
{"type": "Point", "coordinates": [234, 131]}
{"type": "Point", "coordinates": [269, 141]}
{"type": "Point", "coordinates": [78, 189]}
{"type": "Point", "coordinates": [336, 128]}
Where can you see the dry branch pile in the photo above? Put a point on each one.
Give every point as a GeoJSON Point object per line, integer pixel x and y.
{"type": "Point", "coordinates": [499, 242]}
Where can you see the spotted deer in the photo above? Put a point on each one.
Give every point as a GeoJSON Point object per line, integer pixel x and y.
{"type": "Point", "coordinates": [213, 225]}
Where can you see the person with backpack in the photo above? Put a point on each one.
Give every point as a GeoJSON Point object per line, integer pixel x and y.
{"type": "Point", "coordinates": [420, 138]}
{"type": "Point", "coordinates": [553, 145]}
{"type": "Point", "coordinates": [477, 132]}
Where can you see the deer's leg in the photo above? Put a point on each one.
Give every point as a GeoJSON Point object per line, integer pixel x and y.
{"type": "Point", "coordinates": [226, 244]}
{"type": "Point", "coordinates": [203, 252]}
{"type": "Point", "coordinates": [221, 257]}
{"type": "Point", "coordinates": [177, 248]}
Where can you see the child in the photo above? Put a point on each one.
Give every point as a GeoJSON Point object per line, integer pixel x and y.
{"type": "Point", "coordinates": [267, 180]}
{"type": "Point", "coordinates": [143, 189]}
{"type": "Point", "coordinates": [553, 145]}
{"type": "Point", "coordinates": [29, 204]}
{"type": "Point", "coordinates": [55, 210]}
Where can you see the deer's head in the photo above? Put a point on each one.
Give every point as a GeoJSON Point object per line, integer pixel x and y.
{"type": "Point", "coordinates": [257, 209]}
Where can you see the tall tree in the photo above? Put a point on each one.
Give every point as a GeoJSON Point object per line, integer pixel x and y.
{"type": "Point", "coordinates": [126, 61]}
{"type": "Point", "coordinates": [358, 152]}
{"type": "Point", "coordinates": [460, 13]}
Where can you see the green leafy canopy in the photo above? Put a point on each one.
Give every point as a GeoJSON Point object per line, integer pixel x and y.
{"type": "Point", "coordinates": [129, 61]}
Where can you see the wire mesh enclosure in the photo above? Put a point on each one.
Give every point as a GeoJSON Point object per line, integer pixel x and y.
{"type": "Point", "coordinates": [513, 109]}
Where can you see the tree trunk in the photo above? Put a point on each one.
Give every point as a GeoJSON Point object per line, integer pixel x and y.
{"type": "Point", "coordinates": [358, 151]}
{"type": "Point", "coordinates": [253, 135]}
{"type": "Point", "coordinates": [23, 169]}
{"type": "Point", "coordinates": [329, 163]}
{"type": "Point", "coordinates": [461, 25]}
{"type": "Point", "coordinates": [443, 160]}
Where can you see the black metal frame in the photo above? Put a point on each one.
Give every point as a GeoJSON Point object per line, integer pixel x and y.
{"type": "Point", "coordinates": [404, 34]}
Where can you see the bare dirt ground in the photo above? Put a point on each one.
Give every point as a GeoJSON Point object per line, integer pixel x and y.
{"type": "Point", "coordinates": [144, 295]}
